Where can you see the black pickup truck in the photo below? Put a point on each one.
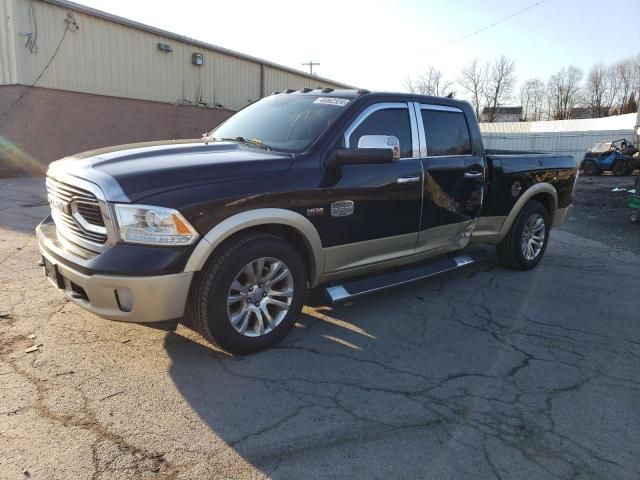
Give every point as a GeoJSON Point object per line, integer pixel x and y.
{"type": "Point", "coordinates": [352, 190]}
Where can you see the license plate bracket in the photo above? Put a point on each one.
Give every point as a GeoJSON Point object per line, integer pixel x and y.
{"type": "Point", "coordinates": [51, 271]}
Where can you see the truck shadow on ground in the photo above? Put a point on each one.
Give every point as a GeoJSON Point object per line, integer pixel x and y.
{"type": "Point", "coordinates": [421, 378]}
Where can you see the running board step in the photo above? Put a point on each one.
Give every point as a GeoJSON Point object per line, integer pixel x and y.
{"type": "Point", "coordinates": [362, 286]}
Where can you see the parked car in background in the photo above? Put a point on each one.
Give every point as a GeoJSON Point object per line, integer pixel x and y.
{"type": "Point", "coordinates": [353, 190]}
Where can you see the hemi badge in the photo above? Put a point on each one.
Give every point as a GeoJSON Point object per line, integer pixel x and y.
{"type": "Point", "coordinates": [314, 212]}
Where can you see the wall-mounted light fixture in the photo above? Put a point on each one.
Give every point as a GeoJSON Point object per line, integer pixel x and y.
{"type": "Point", "coordinates": [197, 59]}
{"type": "Point", "coordinates": [164, 47]}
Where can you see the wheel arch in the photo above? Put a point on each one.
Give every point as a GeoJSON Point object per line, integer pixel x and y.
{"type": "Point", "coordinates": [291, 225]}
{"type": "Point", "coordinates": [543, 192]}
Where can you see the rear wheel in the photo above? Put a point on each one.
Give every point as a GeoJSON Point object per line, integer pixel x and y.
{"type": "Point", "coordinates": [590, 168]}
{"type": "Point", "coordinates": [620, 168]}
{"type": "Point", "coordinates": [526, 242]}
{"type": "Point", "coordinates": [250, 293]}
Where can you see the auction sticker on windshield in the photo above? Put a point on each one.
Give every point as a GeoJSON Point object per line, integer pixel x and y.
{"type": "Point", "coordinates": [340, 102]}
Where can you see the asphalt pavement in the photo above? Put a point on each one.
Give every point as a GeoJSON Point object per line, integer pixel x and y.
{"type": "Point", "coordinates": [483, 373]}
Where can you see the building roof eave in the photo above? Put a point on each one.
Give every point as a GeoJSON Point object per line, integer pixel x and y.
{"type": "Point", "coordinates": [181, 38]}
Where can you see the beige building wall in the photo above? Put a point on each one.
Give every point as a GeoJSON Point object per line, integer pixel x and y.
{"type": "Point", "coordinates": [8, 68]}
{"type": "Point", "coordinates": [106, 57]}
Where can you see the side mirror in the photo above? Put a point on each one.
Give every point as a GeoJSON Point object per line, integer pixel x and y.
{"type": "Point", "coordinates": [371, 149]}
{"type": "Point", "coordinates": [390, 142]}
{"type": "Point", "coordinates": [363, 156]}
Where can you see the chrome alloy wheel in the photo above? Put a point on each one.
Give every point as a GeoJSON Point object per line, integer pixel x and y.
{"type": "Point", "coordinates": [260, 296]}
{"type": "Point", "coordinates": [533, 235]}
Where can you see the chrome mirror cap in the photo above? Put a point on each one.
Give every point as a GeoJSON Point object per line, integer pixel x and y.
{"type": "Point", "coordinates": [390, 142]}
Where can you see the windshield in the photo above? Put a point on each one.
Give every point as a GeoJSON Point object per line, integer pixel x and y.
{"type": "Point", "coordinates": [601, 147]}
{"type": "Point", "coordinates": [282, 122]}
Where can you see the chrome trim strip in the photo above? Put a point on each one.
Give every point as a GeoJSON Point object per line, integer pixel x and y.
{"type": "Point", "coordinates": [421, 135]}
{"type": "Point", "coordinates": [368, 111]}
{"type": "Point", "coordinates": [415, 142]}
{"type": "Point", "coordinates": [450, 156]}
{"type": "Point", "coordinates": [441, 108]}
{"type": "Point", "coordinates": [408, 179]}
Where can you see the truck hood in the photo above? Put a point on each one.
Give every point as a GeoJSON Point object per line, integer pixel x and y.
{"type": "Point", "coordinates": [131, 172]}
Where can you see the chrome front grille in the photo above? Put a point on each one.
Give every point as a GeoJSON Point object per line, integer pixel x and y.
{"type": "Point", "coordinates": [90, 212]}
{"type": "Point", "coordinates": [77, 213]}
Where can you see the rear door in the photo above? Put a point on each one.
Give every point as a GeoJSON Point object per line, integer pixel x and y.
{"type": "Point", "coordinates": [373, 211]}
{"type": "Point", "coordinates": [454, 173]}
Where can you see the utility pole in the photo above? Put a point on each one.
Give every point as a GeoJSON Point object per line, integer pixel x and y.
{"type": "Point", "coordinates": [311, 64]}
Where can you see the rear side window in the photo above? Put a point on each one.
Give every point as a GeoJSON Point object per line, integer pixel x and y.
{"type": "Point", "coordinates": [390, 121]}
{"type": "Point", "coordinates": [447, 133]}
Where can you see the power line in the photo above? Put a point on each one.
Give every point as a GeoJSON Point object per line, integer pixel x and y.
{"type": "Point", "coordinates": [487, 27]}
{"type": "Point", "coordinates": [70, 24]}
{"type": "Point", "coordinates": [311, 64]}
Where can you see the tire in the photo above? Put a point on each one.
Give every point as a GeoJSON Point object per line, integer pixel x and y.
{"type": "Point", "coordinates": [511, 252]}
{"type": "Point", "coordinates": [590, 168]}
{"type": "Point", "coordinates": [619, 168]}
{"type": "Point", "coordinates": [212, 290]}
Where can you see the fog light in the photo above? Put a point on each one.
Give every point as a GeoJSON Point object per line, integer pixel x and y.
{"type": "Point", "coordinates": [124, 299]}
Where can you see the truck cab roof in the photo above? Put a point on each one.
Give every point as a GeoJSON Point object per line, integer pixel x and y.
{"type": "Point", "coordinates": [354, 93]}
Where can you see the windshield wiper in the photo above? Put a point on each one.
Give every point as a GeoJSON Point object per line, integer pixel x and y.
{"type": "Point", "coordinates": [246, 141]}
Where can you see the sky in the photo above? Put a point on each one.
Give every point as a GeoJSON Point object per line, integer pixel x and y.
{"type": "Point", "coordinates": [377, 44]}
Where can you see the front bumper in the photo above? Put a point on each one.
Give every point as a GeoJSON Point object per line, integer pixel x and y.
{"type": "Point", "coordinates": [140, 299]}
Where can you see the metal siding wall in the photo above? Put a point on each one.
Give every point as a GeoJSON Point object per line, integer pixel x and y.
{"type": "Point", "coordinates": [569, 143]}
{"type": "Point", "coordinates": [8, 67]}
{"type": "Point", "coordinates": [107, 58]}
{"type": "Point", "coordinates": [279, 80]}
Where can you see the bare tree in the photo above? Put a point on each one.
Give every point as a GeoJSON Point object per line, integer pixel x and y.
{"type": "Point", "coordinates": [597, 89]}
{"type": "Point", "coordinates": [409, 84]}
{"type": "Point", "coordinates": [532, 99]}
{"type": "Point", "coordinates": [432, 82]}
{"type": "Point", "coordinates": [473, 81]}
{"type": "Point", "coordinates": [627, 72]}
{"type": "Point", "coordinates": [501, 81]}
{"type": "Point", "coordinates": [624, 72]}
{"type": "Point", "coordinates": [612, 94]}
{"type": "Point", "coordinates": [564, 92]}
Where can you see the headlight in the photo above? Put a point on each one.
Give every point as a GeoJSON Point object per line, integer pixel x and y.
{"type": "Point", "coordinates": [153, 225]}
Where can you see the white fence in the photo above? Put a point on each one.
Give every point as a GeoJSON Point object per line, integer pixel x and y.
{"type": "Point", "coordinates": [570, 137]}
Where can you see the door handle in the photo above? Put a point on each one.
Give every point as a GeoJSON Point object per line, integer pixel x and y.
{"type": "Point", "coordinates": [408, 179]}
{"type": "Point", "coordinates": [473, 174]}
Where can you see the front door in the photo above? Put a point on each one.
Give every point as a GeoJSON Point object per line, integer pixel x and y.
{"type": "Point", "coordinates": [453, 178]}
{"type": "Point", "coordinates": [373, 210]}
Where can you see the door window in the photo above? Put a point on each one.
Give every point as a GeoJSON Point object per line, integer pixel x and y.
{"type": "Point", "coordinates": [389, 121]}
{"type": "Point", "coordinates": [446, 133]}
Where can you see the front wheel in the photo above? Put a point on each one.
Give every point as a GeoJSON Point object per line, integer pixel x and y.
{"type": "Point", "coordinates": [526, 242]}
{"type": "Point", "coordinates": [250, 293]}
{"type": "Point", "coordinates": [590, 168]}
